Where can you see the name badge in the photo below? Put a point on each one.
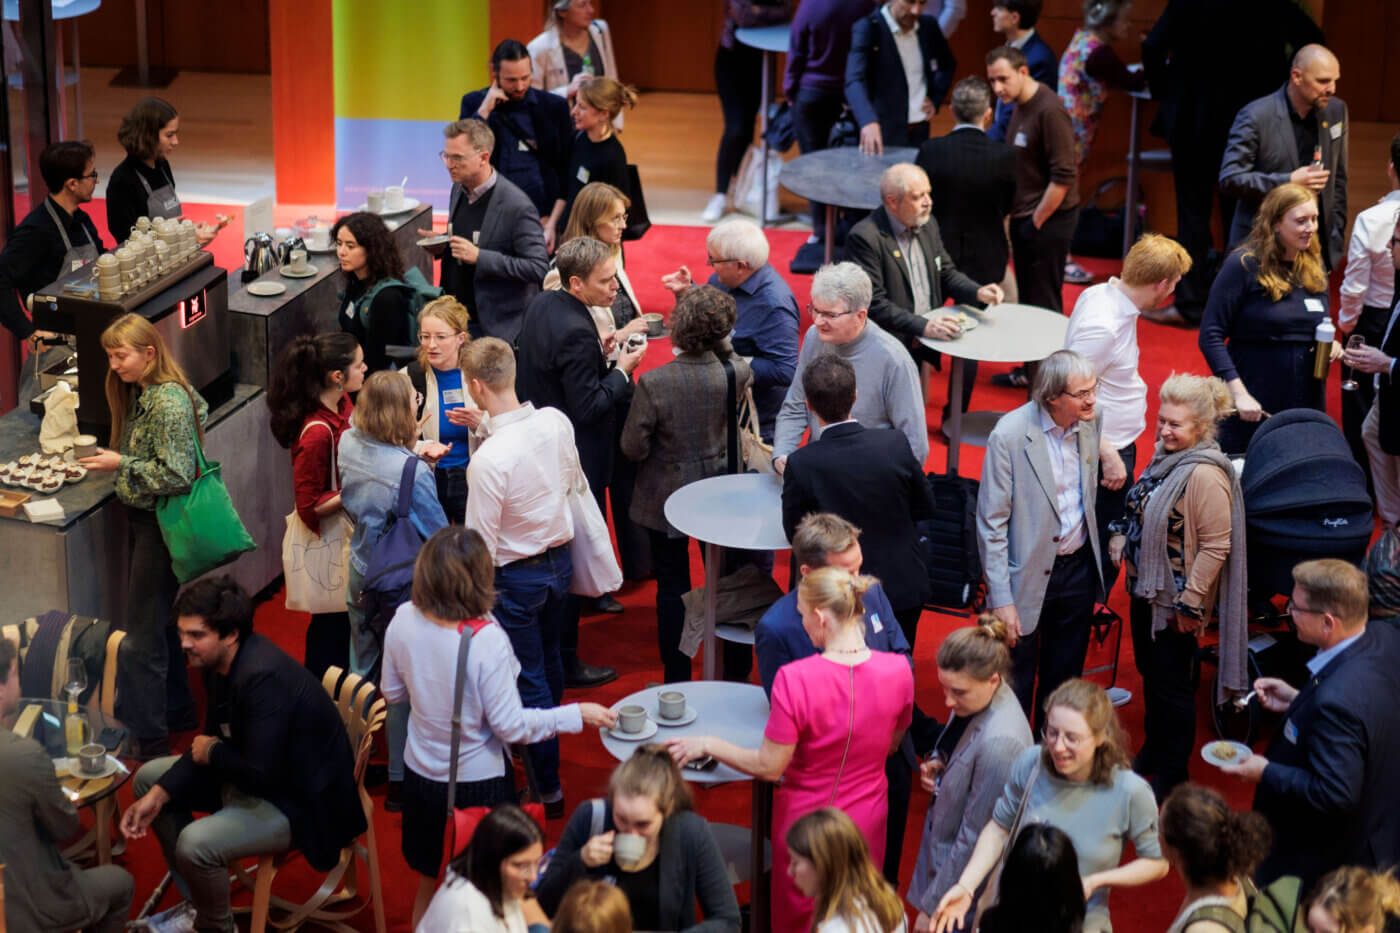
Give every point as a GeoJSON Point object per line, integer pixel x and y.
{"type": "Point", "coordinates": [583, 174]}
{"type": "Point", "coordinates": [75, 265]}
{"type": "Point", "coordinates": [1336, 130]}
{"type": "Point", "coordinates": [1290, 731]}
{"type": "Point", "coordinates": [1314, 305]}
{"type": "Point", "coordinates": [476, 237]}
{"type": "Point", "coordinates": [937, 263]}
{"type": "Point", "coordinates": [875, 624]}
{"type": "Point", "coordinates": [1020, 140]}
{"type": "Point", "coordinates": [223, 727]}
{"type": "Point", "coordinates": [452, 396]}
{"type": "Point", "coordinates": [522, 147]}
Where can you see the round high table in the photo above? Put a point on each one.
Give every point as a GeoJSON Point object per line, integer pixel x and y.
{"type": "Point", "coordinates": [740, 510]}
{"type": "Point", "coordinates": [1005, 333]}
{"type": "Point", "coordinates": [770, 40]}
{"type": "Point", "coordinates": [736, 713]}
{"type": "Point", "coordinates": [842, 177]}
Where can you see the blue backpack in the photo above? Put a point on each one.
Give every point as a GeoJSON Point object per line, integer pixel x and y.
{"type": "Point", "coordinates": [388, 581]}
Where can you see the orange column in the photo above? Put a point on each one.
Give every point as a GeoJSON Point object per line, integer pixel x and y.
{"type": "Point", "coordinates": [303, 100]}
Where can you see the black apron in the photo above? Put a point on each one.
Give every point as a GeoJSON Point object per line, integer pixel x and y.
{"type": "Point", "coordinates": [75, 257]}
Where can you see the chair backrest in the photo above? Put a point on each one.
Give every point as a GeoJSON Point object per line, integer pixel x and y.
{"type": "Point", "coordinates": [362, 710]}
{"type": "Point", "coordinates": [108, 701]}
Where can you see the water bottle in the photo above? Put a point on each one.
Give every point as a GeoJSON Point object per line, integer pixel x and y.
{"type": "Point", "coordinates": [75, 728]}
{"type": "Point", "coordinates": [588, 70]}
{"type": "Point", "coordinates": [1322, 353]}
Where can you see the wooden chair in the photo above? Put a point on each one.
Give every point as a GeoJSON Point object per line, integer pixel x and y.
{"type": "Point", "coordinates": [340, 896]}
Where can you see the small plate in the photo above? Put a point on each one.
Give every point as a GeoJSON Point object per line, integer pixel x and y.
{"type": "Point", "coordinates": [409, 204]}
{"type": "Point", "coordinates": [1211, 752]}
{"type": "Point", "coordinates": [686, 718]}
{"type": "Point", "coordinates": [68, 767]}
{"type": "Point", "coordinates": [306, 273]}
{"type": "Point", "coordinates": [967, 322]}
{"type": "Point", "coordinates": [430, 241]}
{"type": "Point", "coordinates": [647, 732]}
{"type": "Point", "coordinates": [266, 289]}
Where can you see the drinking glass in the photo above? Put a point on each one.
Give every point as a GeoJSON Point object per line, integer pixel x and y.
{"type": "Point", "coordinates": [1354, 342]}
{"type": "Point", "coordinates": [77, 679]}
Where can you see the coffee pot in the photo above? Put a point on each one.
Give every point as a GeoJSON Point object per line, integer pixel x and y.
{"type": "Point", "coordinates": [259, 256]}
{"type": "Point", "coordinates": [284, 249]}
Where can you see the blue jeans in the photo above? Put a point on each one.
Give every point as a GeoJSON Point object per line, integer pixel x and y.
{"type": "Point", "coordinates": [532, 598]}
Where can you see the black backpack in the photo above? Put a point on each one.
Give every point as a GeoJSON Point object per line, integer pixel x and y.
{"type": "Point", "coordinates": [949, 543]}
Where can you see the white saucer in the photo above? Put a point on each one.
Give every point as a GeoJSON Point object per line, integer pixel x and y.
{"type": "Point", "coordinates": [409, 204]}
{"type": "Point", "coordinates": [266, 289]}
{"type": "Point", "coordinates": [439, 240]}
{"type": "Point", "coordinates": [686, 718]}
{"type": "Point", "coordinates": [306, 273]}
{"type": "Point", "coordinates": [647, 732]}
{"type": "Point", "coordinates": [70, 766]}
{"type": "Point", "coordinates": [1242, 752]}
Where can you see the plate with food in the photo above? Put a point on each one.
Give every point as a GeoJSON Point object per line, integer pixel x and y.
{"type": "Point", "coordinates": [966, 322]}
{"type": "Point", "coordinates": [1223, 753]}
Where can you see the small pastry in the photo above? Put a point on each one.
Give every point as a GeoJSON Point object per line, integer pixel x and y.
{"type": "Point", "coordinates": [52, 484]}
{"type": "Point", "coordinates": [74, 473]}
{"type": "Point", "coordinates": [29, 460]}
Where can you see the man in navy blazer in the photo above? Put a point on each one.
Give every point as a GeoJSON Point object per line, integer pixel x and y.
{"type": "Point", "coordinates": [1015, 20]}
{"type": "Point", "coordinates": [826, 540]}
{"type": "Point", "coordinates": [1327, 782]}
{"type": "Point", "coordinates": [887, 46]}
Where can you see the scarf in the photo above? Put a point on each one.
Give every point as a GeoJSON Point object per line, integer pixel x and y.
{"type": "Point", "coordinates": [1155, 582]}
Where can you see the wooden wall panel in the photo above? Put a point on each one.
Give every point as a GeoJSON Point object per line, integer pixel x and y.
{"type": "Point", "coordinates": [230, 37]}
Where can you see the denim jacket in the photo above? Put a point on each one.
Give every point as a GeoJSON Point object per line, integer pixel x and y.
{"type": "Point", "coordinates": [369, 490]}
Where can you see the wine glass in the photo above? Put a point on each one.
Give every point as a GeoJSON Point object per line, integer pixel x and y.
{"type": "Point", "coordinates": [1354, 342]}
{"type": "Point", "coordinates": [77, 679]}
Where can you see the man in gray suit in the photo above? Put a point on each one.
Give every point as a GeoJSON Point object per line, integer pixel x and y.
{"type": "Point", "coordinates": [496, 259]}
{"type": "Point", "coordinates": [1297, 134]}
{"type": "Point", "coordinates": [44, 892]}
{"type": "Point", "coordinates": [1036, 529]}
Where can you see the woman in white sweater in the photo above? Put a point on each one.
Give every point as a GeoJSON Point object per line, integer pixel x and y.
{"type": "Point", "coordinates": [830, 863]}
{"type": "Point", "coordinates": [487, 888]}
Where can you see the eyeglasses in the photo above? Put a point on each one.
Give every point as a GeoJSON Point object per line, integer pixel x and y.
{"type": "Point", "coordinates": [1291, 607]}
{"type": "Point", "coordinates": [92, 175]}
{"type": "Point", "coordinates": [437, 338]}
{"type": "Point", "coordinates": [622, 219]}
{"type": "Point", "coordinates": [454, 158]}
{"type": "Point", "coordinates": [819, 315]}
{"type": "Point", "coordinates": [1073, 740]}
{"type": "Point", "coordinates": [716, 262]}
{"type": "Point", "coordinates": [1083, 395]}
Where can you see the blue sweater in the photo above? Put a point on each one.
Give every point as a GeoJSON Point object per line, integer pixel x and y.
{"type": "Point", "coordinates": [369, 490]}
{"type": "Point", "coordinates": [779, 636]}
{"type": "Point", "coordinates": [766, 331]}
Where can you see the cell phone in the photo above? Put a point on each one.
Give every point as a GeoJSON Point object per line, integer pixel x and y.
{"type": "Point", "coordinates": [111, 738]}
{"type": "Point", "coordinates": [706, 763]}
{"type": "Point", "coordinates": [636, 342]}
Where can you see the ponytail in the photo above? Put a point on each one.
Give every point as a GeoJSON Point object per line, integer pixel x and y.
{"type": "Point", "coordinates": [981, 651]}
{"type": "Point", "coordinates": [300, 377]}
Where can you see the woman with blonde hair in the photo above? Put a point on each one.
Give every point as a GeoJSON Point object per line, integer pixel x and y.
{"type": "Point", "coordinates": [1353, 900]}
{"type": "Point", "coordinates": [1078, 781]}
{"type": "Point", "coordinates": [157, 427]}
{"type": "Point", "coordinates": [834, 718]}
{"type": "Point", "coordinates": [574, 46]}
{"type": "Point", "coordinates": [831, 864]}
{"type": "Point", "coordinates": [971, 758]}
{"type": "Point", "coordinates": [600, 212]}
{"type": "Point", "coordinates": [445, 410]}
{"type": "Point", "coordinates": [1259, 322]}
{"type": "Point", "coordinates": [593, 907]}
{"type": "Point", "coordinates": [679, 863]}
{"type": "Point", "coordinates": [597, 153]}
{"type": "Point", "coordinates": [1181, 541]}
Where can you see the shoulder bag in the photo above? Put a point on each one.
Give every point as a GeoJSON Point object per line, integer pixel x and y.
{"type": "Point", "coordinates": [596, 570]}
{"type": "Point", "coordinates": [201, 527]}
{"type": "Point", "coordinates": [317, 566]}
{"type": "Point", "coordinates": [746, 446]}
{"type": "Point", "coordinates": [992, 893]}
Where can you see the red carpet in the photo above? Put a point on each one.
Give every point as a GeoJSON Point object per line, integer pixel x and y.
{"type": "Point", "coordinates": [627, 641]}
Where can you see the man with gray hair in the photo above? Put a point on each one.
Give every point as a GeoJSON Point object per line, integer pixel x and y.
{"type": "Point", "coordinates": [1036, 528]}
{"type": "Point", "coordinates": [887, 383]}
{"type": "Point", "coordinates": [766, 330]}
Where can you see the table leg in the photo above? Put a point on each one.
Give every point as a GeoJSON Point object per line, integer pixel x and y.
{"type": "Point", "coordinates": [77, 82]}
{"type": "Point", "coordinates": [829, 246]}
{"type": "Point", "coordinates": [762, 815]}
{"type": "Point", "coordinates": [769, 62]}
{"type": "Point", "coordinates": [1130, 204]}
{"type": "Point", "coordinates": [952, 428]}
{"type": "Point", "coordinates": [62, 91]}
{"type": "Point", "coordinates": [102, 811]}
{"type": "Point", "coordinates": [714, 557]}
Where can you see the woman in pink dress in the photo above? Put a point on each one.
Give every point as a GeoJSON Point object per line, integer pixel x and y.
{"type": "Point", "coordinates": [835, 717]}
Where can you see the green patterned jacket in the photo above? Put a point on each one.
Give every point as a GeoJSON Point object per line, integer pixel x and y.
{"type": "Point", "coordinates": [158, 445]}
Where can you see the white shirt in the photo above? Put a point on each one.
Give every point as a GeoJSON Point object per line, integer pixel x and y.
{"type": "Point", "coordinates": [1103, 330]}
{"type": "Point", "coordinates": [458, 907]}
{"type": "Point", "coordinates": [912, 57]}
{"type": "Point", "coordinates": [515, 494]}
{"type": "Point", "coordinates": [1069, 496]}
{"type": "Point", "coordinates": [420, 665]}
{"type": "Point", "coordinates": [1370, 275]}
{"type": "Point", "coordinates": [864, 922]}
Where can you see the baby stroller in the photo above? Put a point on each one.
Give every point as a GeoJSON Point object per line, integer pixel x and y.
{"type": "Point", "coordinates": [1304, 498]}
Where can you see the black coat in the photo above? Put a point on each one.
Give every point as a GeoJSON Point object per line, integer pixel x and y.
{"type": "Point", "coordinates": [876, 87]}
{"type": "Point", "coordinates": [554, 133]}
{"type": "Point", "coordinates": [1329, 789]}
{"type": "Point", "coordinates": [872, 246]}
{"type": "Point", "coordinates": [869, 477]}
{"type": "Point", "coordinates": [973, 179]}
{"type": "Point", "coordinates": [560, 364]}
{"type": "Point", "coordinates": [1388, 396]}
{"type": "Point", "coordinates": [281, 739]}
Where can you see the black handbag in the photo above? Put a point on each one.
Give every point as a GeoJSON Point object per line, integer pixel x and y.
{"type": "Point", "coordinates": [638, 223]}
{"type": "Point", "coordinates": [1100, 229]}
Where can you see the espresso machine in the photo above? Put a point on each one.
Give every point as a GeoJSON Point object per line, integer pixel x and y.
{"type": "Point", "coordinates": [188, 307]}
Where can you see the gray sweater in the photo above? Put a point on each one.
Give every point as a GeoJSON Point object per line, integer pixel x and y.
{"type": "Point", "coordinates": [887, 390]}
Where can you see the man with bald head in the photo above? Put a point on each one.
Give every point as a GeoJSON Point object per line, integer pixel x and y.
{"type": "Point", "coordinates": [1296, 134]}
{"type": "Point", "coordinates": [911, 274]}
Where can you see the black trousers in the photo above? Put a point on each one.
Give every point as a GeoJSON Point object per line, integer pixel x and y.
{"type": "Point", "coordinates": [739, 82]}
{"type": "Point", "coordinates": [814, 113]}
{"type": "Point", "coordinates": [1195, 170]}
{"type": "Point", "coordinates": [452, 492]}
{"type": "Point", "coordinates": [328, 642]}
{"type": "Point", "coordinates": [1108, 506]}
{"type": "Point", "coordinates": [900, 775]}
{"type": "Point", "coordinates": [1039, 258]}
{"type": "Point", "coordinates": [670, 559]}
{"type": "Point", "coordinates": [1056, 649]}
{"type": "Point", "coordinates": [1168, 671]}
{"type": "Point", "coordinates": [1356, 403]}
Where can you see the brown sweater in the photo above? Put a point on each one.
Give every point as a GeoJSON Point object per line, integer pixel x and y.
{"type": "Point", "coordinates": [1204, 510]}
{"type": "Point", "coordinates": [1043, 135]}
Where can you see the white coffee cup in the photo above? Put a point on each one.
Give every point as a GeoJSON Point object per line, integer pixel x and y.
{"type": "Point", "coordinates": [671, 704]}
{"type": "Point", "coordinates": [393, 198]}
{"type": "Point", "coordinates": [298, 260]}
{"type": "Point", "coordinates": [628, 849]}
{"type": "Point", "coordinates": [631, 719]}
{"type": "Point", "coordinates": [374, 200]}
{"type": "Point", "coordinates": [318, 238]}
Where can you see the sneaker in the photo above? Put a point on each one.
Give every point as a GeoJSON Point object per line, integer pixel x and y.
{"type": "Point", "coordinates": [607, 603]}
{"type": "Point", "coordinates": [178, 919]}
{"type": "Point", "coordinates": [714, 210]}
{"type": "Point", "coordinates": [1075, 274]}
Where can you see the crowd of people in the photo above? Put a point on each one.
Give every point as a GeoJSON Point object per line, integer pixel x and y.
{"type": "Point", "coordinates": [524, 408]}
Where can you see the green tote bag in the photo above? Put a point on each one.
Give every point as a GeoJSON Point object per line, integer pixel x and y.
{"type": "Point", "coordinates": [201, 528]}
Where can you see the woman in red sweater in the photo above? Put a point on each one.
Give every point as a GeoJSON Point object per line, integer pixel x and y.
{"type": "Point", "coordinates": [310, 404]}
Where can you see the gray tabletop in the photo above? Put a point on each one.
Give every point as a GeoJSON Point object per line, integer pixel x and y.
{"type": "Point", "coordinates": [743, 510]}
{"type": "Point", "coordinates": [767, 38]}
{"type": "Point", "coordinates": [1006, 333]}
{"type": "Point", "coordinates": [737, 713]}
{"type": "Point", "coordinates": [845, 177]}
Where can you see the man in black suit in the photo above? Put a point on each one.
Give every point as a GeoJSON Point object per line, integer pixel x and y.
{"type": "Point", "coordinates": [496, 258]}
{"type": "Point", "coordinates": [534, 133]}
{"type": "Point", "coordinates": [862, 474]}
{"type": "Point", "coordinates": [1296, 134]}
{"type": "Point", "coordinates": [911, 273]}
{"type": "Point", "coordinates": [1327, 783]}
{"type": "Point", "coordinates": [889, 46]}
{"type": "Point", "coordinates": [561, 364]}
{"type": "Point", "coordinates": [273, 769]}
